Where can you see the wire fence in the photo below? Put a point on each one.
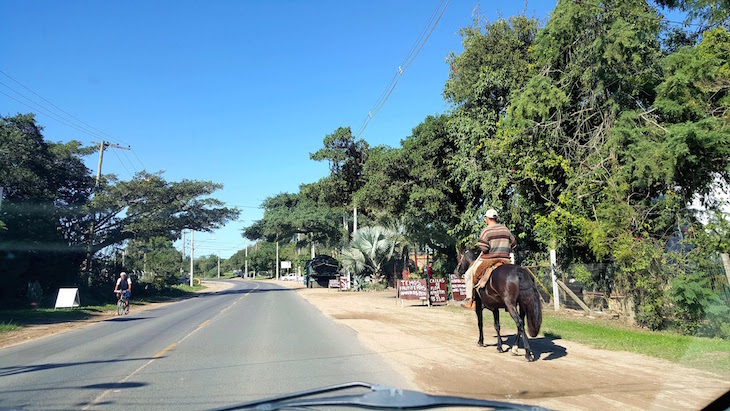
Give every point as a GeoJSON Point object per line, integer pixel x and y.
{"type": "Point", "coordinates": [595, 283]}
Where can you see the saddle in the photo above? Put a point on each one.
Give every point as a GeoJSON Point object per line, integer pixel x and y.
{"type": "Point", "coordinates": [484, 272]}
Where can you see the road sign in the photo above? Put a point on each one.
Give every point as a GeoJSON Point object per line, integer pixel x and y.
{"type": "Point", "coordinates": [67, 298]}
{"type": "Point", "coordinates": [286, 264]}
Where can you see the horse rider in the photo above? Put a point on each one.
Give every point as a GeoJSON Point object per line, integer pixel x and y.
{"type": "Point", "coordinates": [495, 242]}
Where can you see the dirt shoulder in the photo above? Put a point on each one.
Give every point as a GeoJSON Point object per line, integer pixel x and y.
{"type": "Point", "coordinates": [435, 349]}
{"type": "Point", "coordinates": [36, 331]}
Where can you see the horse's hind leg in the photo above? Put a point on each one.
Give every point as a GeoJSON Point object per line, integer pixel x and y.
{"type": "Point", "coordinates": [520, 332]}
{"type": "Point", "coordinates": [512, 308]}
{"type": "Point", "coordinates": [525, 339]}
{"type": "Point", "coordinates": [496, 327]}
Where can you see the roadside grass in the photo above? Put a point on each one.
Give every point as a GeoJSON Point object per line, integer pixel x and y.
{"type": "Point", "coordinates": [13, 319]}
{"type": "Point", "coordinates": [23, 317]}
{"type": "Point", "coordinates": [7, 327]}
{"type": "Point", "coordinates": [708, 354]}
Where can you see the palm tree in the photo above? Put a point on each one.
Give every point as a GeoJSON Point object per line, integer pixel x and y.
{"type": "Point", "coordinates": [369, 249]}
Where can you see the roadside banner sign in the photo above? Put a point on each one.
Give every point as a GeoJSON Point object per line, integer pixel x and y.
{"type": "Point", "coordinates": [458, 287]}
{"type": "Point", "coordinates": [412, 290]}
{"type": "Point", "coordinates": [438, 291]}
{"type": "Point", "coordinates": [333, 283]}
{"type": "Point", "coordinates": [286, 264]}
{"type": "Point", "coordinates": [433, 291]}
{"type": "Point", "coordinates": [344, 282]}
{"type": "Point", "coordinates": [67, 298]}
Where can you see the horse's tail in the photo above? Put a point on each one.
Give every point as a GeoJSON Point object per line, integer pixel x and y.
{"type": "Point", "coordinates": [531, 303]}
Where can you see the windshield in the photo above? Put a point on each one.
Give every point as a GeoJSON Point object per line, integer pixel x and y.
{"type": "Point", "coordinates": [205, 205]}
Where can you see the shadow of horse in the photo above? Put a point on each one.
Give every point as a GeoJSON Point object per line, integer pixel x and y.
{"type": "Point", "coordinates": [540, 346]}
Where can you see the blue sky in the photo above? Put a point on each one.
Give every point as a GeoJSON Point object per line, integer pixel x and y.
{"type": "Point", "coordinates": [238, 92]}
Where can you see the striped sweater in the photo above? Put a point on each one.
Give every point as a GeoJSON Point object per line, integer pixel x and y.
{"type": "Point", "coordinates": [496, 241]}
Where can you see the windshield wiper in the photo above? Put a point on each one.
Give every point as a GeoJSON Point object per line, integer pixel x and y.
{"type": "Point", "coordinates": [379, 397]}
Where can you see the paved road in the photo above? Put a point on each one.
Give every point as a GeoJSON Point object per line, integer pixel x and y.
{"type": "Point", "coordinates": [251, 341]}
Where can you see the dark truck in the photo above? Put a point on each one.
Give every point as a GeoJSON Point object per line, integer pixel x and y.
{"type": "Point", "coordinates": [320, 270]}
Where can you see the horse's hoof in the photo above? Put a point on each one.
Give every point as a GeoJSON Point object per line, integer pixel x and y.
{"type": "Point", "coordinates": [480, 344]}
{"type": "Point", "coordinates": [514, 351]}
{"type": "Point", "coordinates": [529, 358]}
{"type": "Point", "coordinates": [500, 350]}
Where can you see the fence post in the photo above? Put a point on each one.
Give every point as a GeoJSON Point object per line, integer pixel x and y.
{"type": "Point", "coordinates": [726, 264]}
{"type": "Point", "coordinates": [556, 295]}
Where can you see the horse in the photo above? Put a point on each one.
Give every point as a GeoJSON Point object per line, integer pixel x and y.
{"type": "Point", "coordinates": [509, 287]}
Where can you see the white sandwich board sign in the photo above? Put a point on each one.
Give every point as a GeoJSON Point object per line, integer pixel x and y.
{"type": "Point", "coordinates": [67, 298]}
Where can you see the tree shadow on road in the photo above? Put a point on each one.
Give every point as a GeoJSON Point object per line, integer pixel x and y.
{"type": "Point", "coordinates": [24, 369]}
{"type": "Point", "coordinates": [125, 319]}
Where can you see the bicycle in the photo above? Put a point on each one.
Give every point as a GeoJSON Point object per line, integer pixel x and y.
{"type": "Point", "coordinates": [122, 302]}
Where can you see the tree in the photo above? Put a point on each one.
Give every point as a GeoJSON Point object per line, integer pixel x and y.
{"type": "Point", "coordinates": [493, 67]}
{"type": "Point", "coordinates": [286, 215]}
{"type": "Point", "coordinates": [710, 13]}
{"type": "Point", "coordinates": [48, 209]}
{"type": "Point", "coordinates": [369, 249]}
{"type": "Point", "coordinates": [346, 158]}
{"type": "Point", "coordinates": [155, 257]}
{"type": "Point", "coordinates": [45, 186]}
{"type": "Point", "coordinates": [149, 206]}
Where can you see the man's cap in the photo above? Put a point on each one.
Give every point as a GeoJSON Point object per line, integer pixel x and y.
{"type": "Point", "coordinates": [123, 274]}
{"type": "Point", "coordinates": [491, 213]}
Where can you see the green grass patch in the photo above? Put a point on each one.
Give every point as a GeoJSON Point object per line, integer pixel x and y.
{"type": "Point", "coordinates": [709, 354]}
{"type": "Point", "coordinates": [22, 317]}
{"type": "Point", "coordinates": [8, 326]}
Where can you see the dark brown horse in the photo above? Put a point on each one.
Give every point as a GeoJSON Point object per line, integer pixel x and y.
{"type": "Point", "coordinates": [509, 287]}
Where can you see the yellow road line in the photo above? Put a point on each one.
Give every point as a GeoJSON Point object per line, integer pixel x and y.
{"type": "Point", "coordinates": [168, 348]}
{"type": "Point", "coordinates": [159, 354]}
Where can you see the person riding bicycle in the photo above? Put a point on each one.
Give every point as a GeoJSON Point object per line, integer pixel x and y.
{"type": "Point", "coordinates": [495, 242]}
{"type": "Point", "coordinates": [124, 284]}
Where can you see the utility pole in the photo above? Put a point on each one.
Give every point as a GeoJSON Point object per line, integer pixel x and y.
{"type": "Point", "coordinates": [311, 237]}
{"type": "Point", "coordinates": [183, 254]}
{"type": "Point", "coordinates": [354, 220]}
{"type": "Point", "coordinates": [277, 260]}
{"type": "Point", "coordinates": [192, 253]}
{"type": "Point", "coordinates": [245, 275]}
{"type": "Point", "coordinates": [89, 248]}
{"type": "Point", "coordinates": [219, 263]}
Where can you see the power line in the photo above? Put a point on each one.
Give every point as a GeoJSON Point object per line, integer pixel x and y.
{"type": "Point", "coordinates": [130, 161]}
{"type": "Point", "coordinates": [122, 163]}
{"type": "Point", "coordinates": [47, 114]}
{"type": "Point", "coordinates": [407, 61]}
{"type": "Point", "coordinates": [54, 115]}
{"type": "Point", "coordinates": [108, 137]}
{"type": "Point", "coordinates": [138, 159]}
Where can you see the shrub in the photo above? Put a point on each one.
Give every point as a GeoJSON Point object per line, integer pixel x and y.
{"type": "Point", "coordinates": [697, 309]}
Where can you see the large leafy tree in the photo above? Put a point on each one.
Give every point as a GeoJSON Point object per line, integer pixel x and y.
{"type": "Point", "coordinates": [414, 183]}
{"type": "Point", "coordinates": [149, 206]}
{"type": "Point", "coordinates": [155, 256]}
{"type": "Point", "coordinates": [286, 215]}
{"type": "Point", "coordinates": [494, 65]}
{"type": "Point", "coordinates": [45, 186]}
{"type": "Point", "coordinates": [346, 158]}
{"type": "Point", "coordinates": [48, 209]}
{"type": "Point", "coordinates": [609, 155]}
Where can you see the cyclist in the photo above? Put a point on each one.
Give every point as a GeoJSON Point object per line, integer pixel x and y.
{"type": "Point", "coordinates": [124, 284]}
